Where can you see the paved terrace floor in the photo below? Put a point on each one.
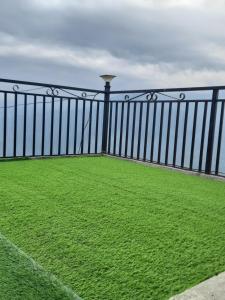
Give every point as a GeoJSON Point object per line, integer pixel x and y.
{"type": "Point", "coordinates": [112, 229]}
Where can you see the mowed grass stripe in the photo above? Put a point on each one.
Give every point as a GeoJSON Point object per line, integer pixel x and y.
{"type": "Point", "coordinates": [112, 229]}
{"type": "Point", "coordinates": [22, 278]}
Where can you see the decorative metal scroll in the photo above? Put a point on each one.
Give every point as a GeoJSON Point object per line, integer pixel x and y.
{"type": "Point", "coordinates": [153, 96]}
{"type": "Point", "coordinates": [15, 88]}
{"type": "Point", "coordinates": [54, 92]}
{"type": "Point", "coordinates": [181, 96]}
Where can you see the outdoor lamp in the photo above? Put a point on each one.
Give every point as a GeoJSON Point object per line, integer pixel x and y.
{"type": "Point", "coordinates": [107, 78]}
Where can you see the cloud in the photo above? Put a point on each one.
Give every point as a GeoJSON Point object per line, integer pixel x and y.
{"type": "Point", "coordinates": [163, 42]}
{"type": "Point", "coordinates": [123, 3]}
{"type": "Point", "coordinates": [102, 61]}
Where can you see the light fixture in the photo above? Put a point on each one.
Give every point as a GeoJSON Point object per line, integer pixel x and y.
{"type": "Point", "coordinates": [107, 78]}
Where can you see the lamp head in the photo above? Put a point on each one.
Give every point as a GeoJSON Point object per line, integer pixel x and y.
{"type": "Point", "coordinates": [107, 78]}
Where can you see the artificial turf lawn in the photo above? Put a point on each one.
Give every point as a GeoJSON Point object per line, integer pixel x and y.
{"type": "Point", "coordinates": [22, 279]}
{"type": "Point", "coordinates": [112, 229]}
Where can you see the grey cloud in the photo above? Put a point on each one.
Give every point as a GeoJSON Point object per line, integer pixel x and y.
{"type": "Point", "coordinates": [167, 35]}
{"type": "Point", "coordinates": [159, 35]}
{"type": "Point", "coordinates": [43, 71]}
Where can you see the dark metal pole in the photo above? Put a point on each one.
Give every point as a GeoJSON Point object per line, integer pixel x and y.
{"type": "Point", "coordinates": [105, 117]}
{"type": "Point", "coordinates": [212, 124]}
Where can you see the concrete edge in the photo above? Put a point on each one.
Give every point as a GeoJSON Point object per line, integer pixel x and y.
{"type": "Point", "coordinates": [22, 158]}
{"type": "Point", "coordinates": [210, 289]}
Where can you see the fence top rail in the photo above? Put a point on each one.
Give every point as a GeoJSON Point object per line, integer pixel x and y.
{"type": "Point", "coordinates": [165, 101]}
{"type": "Point", "coordinates": [72, 88]}
{"type": "Point", "coordinates": [184, 89]}
{"type": "Point", "coordinates": [49, 85]}
{"type": "Point", "coordinates": [52, 96]}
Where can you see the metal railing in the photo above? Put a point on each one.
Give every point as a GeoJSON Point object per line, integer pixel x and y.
{"type": "Point", "coordinates": [182, 128]}
{"type": "Point", "coordinates": [43, 119]}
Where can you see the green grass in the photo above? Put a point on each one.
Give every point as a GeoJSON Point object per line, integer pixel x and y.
{"type": "Point", "coordinates": [112, 229]}
{"type": "Point", "coordinates": [21, 278]}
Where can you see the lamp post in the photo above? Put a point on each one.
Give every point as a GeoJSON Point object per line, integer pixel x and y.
{"type": "Point", "coordinates": [107, 79]}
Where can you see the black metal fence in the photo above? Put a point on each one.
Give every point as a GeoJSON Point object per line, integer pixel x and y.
{"type": "Point", "coordinates": [182, 128]}
{"type": "Point", "coordinates": [40, 120]}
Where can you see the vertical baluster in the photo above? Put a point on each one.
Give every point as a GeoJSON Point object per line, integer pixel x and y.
{"type": "Point", "coordinates": [15, 126]}
{"type": "Point", "coordinates": [96, 128]}
{"type": "Point", "coordinates": [83, 125]}
{"type": "Point", "coordinates": [193, 135]}
{"type": "Point", "coordinates": [110, 127]}
{"type": "Point", "coordinates": [146, 130]}
{"type": "Point", "coordinates": [115, 129]}
{"type": "Point", "coordinates": [34, 125]}
{"type": "Point", "coordinates": [24, 125]}
{"type": "Point", "coordinates": [75, 128]}
{"type": "Point", "coordinates": [160, 132]}
{"type": "Point", "coordinates": [219, 138]}
{"type": "Point", "coordinates": [184, 134]}
{"type": "Point", "coordinates": [121, 128]}
{"type": "Point", "coordinates": [211, 134]}
{"type": "Point", "coordinates": [90, 127]}
{"type": "Point", "coordinates": [153, 132]}
{"type": "Point", "coordinates": [60, 126]}
{"type": "Point", "coordinates": [127, 128]}
{"type": "Point", "coordinates": [176, 134]}
{"type": "Point", "coordinates": [133, 129]}
{"type": "Point", "coordinates": [5, 125]}
{"type": "Point", "coordinates": [202, 137]}
{"type": "Point", "coordinates": [52, 125]}
{"type": "Point", "coordinates": [43, 127]}
{"type": "Point", "coordinates": [68, 127]}
{"type": "Point", "coordinates": [168, 133]}
{"type": "Point", "coordinates": [139, 130]}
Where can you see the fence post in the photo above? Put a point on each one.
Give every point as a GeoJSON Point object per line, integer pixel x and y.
{"type": "Point", "coordinates": [107, 79]}
{"type": "Point", "coordinates": [211, 134]}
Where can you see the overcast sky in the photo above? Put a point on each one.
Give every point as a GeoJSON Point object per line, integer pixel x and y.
{"type": "Point", "coordinates": [146, 43]}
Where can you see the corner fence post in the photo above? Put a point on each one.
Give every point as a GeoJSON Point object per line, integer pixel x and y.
{"type": "Point", "coordinates": [105, 117]}
{"type": "Point", "coordinates": [211, 134]}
